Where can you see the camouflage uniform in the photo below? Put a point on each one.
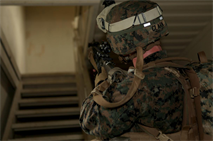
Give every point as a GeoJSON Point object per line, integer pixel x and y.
{"type": "Point", "coordinates": [157, 103]}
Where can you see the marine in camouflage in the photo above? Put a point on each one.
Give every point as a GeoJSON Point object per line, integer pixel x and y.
{"type": "Point", "coordinates": [125, 42]}
{"type": "Point", "coordinates": [157, 103]}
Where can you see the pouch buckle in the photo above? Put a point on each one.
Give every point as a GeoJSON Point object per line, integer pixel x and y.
{"type": "Point", "coordinates": [194, 92]}
{"type": "Point", "coordinates": [163, 137]}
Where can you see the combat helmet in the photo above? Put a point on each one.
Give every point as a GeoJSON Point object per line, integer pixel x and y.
{"type": "Point", "coordinates": [131, 24]}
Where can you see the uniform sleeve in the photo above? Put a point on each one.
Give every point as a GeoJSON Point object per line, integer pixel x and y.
{"type": "Point", "coordinates": [106, 123]}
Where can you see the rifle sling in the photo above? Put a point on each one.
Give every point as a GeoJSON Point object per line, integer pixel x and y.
{"type": "Point", "coordinates": [202, 57]}
{"type": "Point", "coordinates": [136, 81]}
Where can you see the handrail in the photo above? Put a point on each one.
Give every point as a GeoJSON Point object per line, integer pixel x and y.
{"type": "Point", "coordinates": [8, 62]}
{"type": "Point", "coordinates": [11, 118]}
{"type": "Point", "coordinates": [9, 66]}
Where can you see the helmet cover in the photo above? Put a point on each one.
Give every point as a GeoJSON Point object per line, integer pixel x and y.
{"type": "Point", "coordinates": [125, 41]}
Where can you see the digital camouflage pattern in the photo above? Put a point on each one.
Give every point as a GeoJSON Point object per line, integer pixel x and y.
{"type": "Point", "coordinates": [205, 74]}
{"type": "Point", "coordinates": [157, 103]}
{"type": "Point", "coordinates": [125, 42]}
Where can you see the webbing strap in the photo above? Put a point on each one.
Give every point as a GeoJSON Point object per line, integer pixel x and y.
{"type": "Point", "coordinates": [139, 64]}
{"type": "Point", "coordinates": [102, 87]}
{"type": "Point", "coordinates": [112, 71]}
{"type": "Point", "coordinates": [188, 105]}
{"type": "Point", "coordinates": [195, 85]}
{"type": "Point", "coordinates": [202, 57]}
{"type": "Point", "coordinates": [165, 64]}
{"type": "Point", "coordinates": [98, 98]}
{"type": "Point", "coordinates": [170, 59]}
{"type": "Point", "coordinates": [188, 110]}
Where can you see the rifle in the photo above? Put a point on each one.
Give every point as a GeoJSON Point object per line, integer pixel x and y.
{"type": "Point", "coordinates": [100, 53]}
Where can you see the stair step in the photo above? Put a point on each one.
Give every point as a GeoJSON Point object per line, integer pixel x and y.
{"type": "Point", "coordinates": [53, 138]}
{"type": "Point", "coordinates": [42, 75]}
{"type": "Point", "coordinates": [48, 112]}
{"type": "Point", "coordinates": [48, 101]}
{"type": "Point", "coordinates": [45, 125]}
{"type": "Point", "coordinates": [46, 81]}
{"type": "Point", "coordinates": [48, 77]}
{"type": "Point", "coordinates": [45, 84]}
{"type": "Point", "coordinates": [49, 92]}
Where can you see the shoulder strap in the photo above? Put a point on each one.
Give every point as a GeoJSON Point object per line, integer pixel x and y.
{"type": "Point", "coordinates": [192, 114]}
{"type": "Point", "coordinates": [195, 86]}
{"type": "Point", "coordinates": [163, 64]}
{"type": "Point", "coordinates": [170, 59]}
{"type": "Point", "coordinates": [202, 57]}
{"type": "Point", "coordinates": [167, 62]}
{"type": "Point", "coordinates": [97, 97]}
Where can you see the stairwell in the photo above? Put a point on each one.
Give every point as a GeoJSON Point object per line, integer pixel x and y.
{"type": "Point", "coordinates": [48, 108]}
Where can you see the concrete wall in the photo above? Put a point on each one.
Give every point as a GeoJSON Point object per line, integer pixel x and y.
{"type": "Point", "coordinates": [49, 39]}
{"type": "Point", "coordinates": [12, 23]}
{"type": "Point", "coordinates": [203, 42]}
